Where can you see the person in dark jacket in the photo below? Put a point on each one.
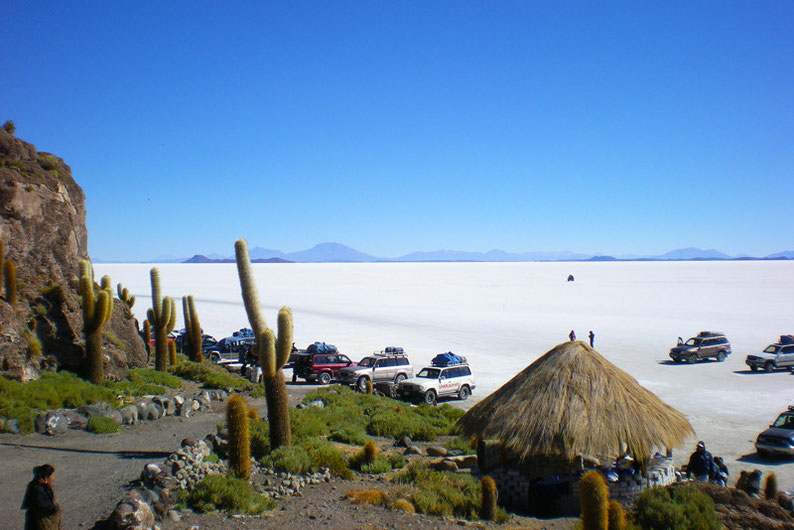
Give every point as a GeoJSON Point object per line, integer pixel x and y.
{"type": "Point", "coordinates": [720, 474]}
{"type": "Point", "coordinates": [591, 336]}
{"type": "Point", "coordinates": [572, 336]}
{"type": "Point", "coordinates": [701, 463]}
{"type": "Point", "coordinates": [43, 512]}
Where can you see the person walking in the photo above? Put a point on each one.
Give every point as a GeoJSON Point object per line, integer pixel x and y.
{"type": "Point", "coordinates": [720, 474]}
{"type": "Point", "coordinates": [572, 336]}
{"type": "Point", "coordinates": [592, 337]}
{"type": "Point", "coordinates": [43, 513]}
{"type": "Point", "coordinates": [701, 463]}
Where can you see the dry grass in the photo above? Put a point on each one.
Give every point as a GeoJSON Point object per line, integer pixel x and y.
{"type": "Point", "coordinates": [366, 497]}
{"type": "Point", "coordinates": [572, 401]}
{"type": "Point", "coordinates": [403, 505]}
{"type": "Point", "coordinates": [737, 510]}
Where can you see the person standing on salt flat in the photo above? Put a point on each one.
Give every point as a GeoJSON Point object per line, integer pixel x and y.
{"type": "Point", "coordinates": [572, 336]}
{"type": "Point", "coordinates": [592, 337]}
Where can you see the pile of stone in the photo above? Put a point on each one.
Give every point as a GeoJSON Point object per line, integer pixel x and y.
{"type": "Point", "coordinates": [147, 408]}
{"type": "Point", "coordinates": [281, 484]}
{"type": "Point", "coordinates": [155, 493]}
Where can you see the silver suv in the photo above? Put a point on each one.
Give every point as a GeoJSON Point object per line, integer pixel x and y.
{"type": "Point", "coordinates": [389, 365]}
{"type": "Point", "coordinates": [774, 356]}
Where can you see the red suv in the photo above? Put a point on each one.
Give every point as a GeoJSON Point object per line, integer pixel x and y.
{"type": "Point", "coordinates": [322, 367]}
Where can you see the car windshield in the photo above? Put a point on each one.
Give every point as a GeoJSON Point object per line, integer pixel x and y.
{"type": "Point", "coordinates": [428, 373]}
{"type": "Point", "coordinates": [693, 342]}
{"type": "Point", "coordinates": [771, 349]}
{"type": "Point", "coordinates": [367, 361]}
{"type": "Point", "coordinates": [784, 421]}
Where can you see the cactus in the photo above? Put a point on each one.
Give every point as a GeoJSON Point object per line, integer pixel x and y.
{"type": "Point", "coordinates": [10, 278]}
{"type": "Point", "coordinates": [239, 448]}
{"type": "Point", "coordinates": [368, 386]}
{"type": "Point", "coordinates": [147, 338]}
{"type": "Point", "coordinates": [97, 310]}
{"type": "Point", "coordinates": [162, 317]}
{"type": "Point", "coordinates": [770, 487]}
{"type": "Point", "coordinates": [192, 328]}
{"type": "Point", "coordinates": [489, 498]}
{"type": "Point", "coordinates": [594, 500]}
{"type": "Point", "coordinates": [124, 296]}
{"type": "Point", "coordinates": [273, 352]}
{"type": "Point", "coordinates": [370, 452]}
{"type": "Point", "coordinates": [616, 516]}
{"type": "Point", "coordinates": [171, 353]}
{"type": "Point", "coordinates": [253, 415]}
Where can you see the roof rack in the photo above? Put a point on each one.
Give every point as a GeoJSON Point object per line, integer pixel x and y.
{"type": "Point", "coordinates": [448, 359]}
{"type": "Point", "coordinates": [711, 334]}
{"type": "Point", "coordinates": [390, 351]}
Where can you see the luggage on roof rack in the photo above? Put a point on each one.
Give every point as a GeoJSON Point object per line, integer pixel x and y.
{"type": "Point", "coordinates": [321, 347]}
{"type": "Point", "coordinates": [711, 334]}
{"type": "Point", "coordinates": [787, 339]}
{"type": "Point", "coordinates": [393, 350]}
{"type": "Point", "coordinates": [447, 359]}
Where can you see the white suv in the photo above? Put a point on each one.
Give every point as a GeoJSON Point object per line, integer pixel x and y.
{"type": "Point", "coordinates": [433, 382]}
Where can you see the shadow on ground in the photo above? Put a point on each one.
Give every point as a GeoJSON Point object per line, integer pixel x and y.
{"type": "Point", "coordinates": [124, 455]}
{"type": "Point", "coordinates": [753, 458]}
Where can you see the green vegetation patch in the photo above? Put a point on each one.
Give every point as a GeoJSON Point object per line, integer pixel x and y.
{"type": "Point", "coordinates": [681, 507]}
{"type": "Point", "coordinates": [376, 415]}
{"type": "Point", "coordinates": [308, 456]}
{"type": "Point", "coordinates": [151, 376]}
{"type": "Point", "coordinates": [443, 492]}
{"type": "Point", "coordinates": [214, 376]}
{"type": "Point", "coordinates": [459, 443]}
{"type": "Point", "coordinates": [351, 435]}
{"type": "Point", "coordinates": [102, 425]}
{"type": "Point", "coordinates": [227, 494]}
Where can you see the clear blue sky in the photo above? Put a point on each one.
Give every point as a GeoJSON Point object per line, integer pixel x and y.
{"type": "Point", "coordinates": [631, 127]}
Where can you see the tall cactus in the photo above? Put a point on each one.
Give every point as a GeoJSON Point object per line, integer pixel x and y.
{"type": "Point", "coordinates": [97, 310]}
{"type": "Point", "coordinates": [10, 279]}
{"type": "Point", "coordinates": [594, 501]}
{"type": "Point", "coordinates": [162, 317]}
{"type": "Point", "coordinates": [147, 338]}
{"type": "Point", "coordinates": [192, 329]}
{"type": "Point", "coordinates": [239, 446]}
{"type": "Point", "coordinates": [124, 296]}
{"type": "Point", "coordinates": [273, 352]}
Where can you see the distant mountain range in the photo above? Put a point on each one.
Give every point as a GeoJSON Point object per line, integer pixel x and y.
{"type": "Point", "coordinates": [339, 253]}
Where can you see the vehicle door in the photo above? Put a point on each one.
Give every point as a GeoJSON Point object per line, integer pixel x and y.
{"type": "Point", "coordinates": [786, 356]}
{"type": "Point", "coordinates": [706, 348]}
{"type": "Point", "coordinates": [448, 381]}
{"type": "Point", "coordinates": [337, 362]}
{"type": "Point", "coordinates": [389, 371]}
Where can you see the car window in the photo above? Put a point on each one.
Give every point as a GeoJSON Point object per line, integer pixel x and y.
{"type": "Point", "coordinates": [429, 373]}
{"type": "Point", "coordinates": [320, 359]}
{"type": "Point", "coordinates": [787, 349]}
{"type": "Point", "coordinates": [465, 370]}
{"type": "Point", "coordinates": [402, 361]}
{"type": "Point", "coordinates": [771, 349]}
{"type": "Point", "coordinates": [389, 362]}
{"type": "Point", "coordinates": [367, 361]}
{"type": "Point", "coordinates": [709, 342]}
{"type": "Point", "coordinates": [343, 359]}
{"type": "Point", "coordinates": [693, 342]}
{"type": "Point", "coordinates": [784, 421]}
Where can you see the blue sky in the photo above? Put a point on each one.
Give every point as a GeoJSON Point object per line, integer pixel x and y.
{"type": "Point", "coordinates": [630, 127]}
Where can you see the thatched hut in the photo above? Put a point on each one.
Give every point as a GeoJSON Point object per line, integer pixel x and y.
{"type": "Point", "coordinates": [568, 407]}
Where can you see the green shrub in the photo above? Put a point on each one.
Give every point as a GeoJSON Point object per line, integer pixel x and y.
{"type": "Point", "coordinates": [291, 459]}
{"type": "Point", "coordinates": [102, 425]}
{"type": "Point", "coordinates": [213, 376]}
{"type": "Point", "coordinates": [231, 495]}
{"type": "Point", "coordinates": [259, 431]}
{"type": "Point", "coordinates": [113, 339]}
{"type": "Point", "coordinates": [212, 457]}
{"type": "Point", "coordinates": [459, 443]}
{"type": "Point", "coordinates": [48, 162]}
{"type": "Point", "coordinates": [350, 435]}
{"type": "Point", "coordinates": [681, 507]}
{"type": "Point", "coordinates": [148, 375]}
{"type": "Point", "coordinates": [397, 461]}
{"type": "Point", "coordinates": [379, 465]}
{"type": "Point", "coordinates": [308, 457]}
{"type": "Point", "coordinates": [10, 127]}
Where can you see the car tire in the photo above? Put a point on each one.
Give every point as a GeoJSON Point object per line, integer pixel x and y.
{"type": "Point", "coordinates": [325, 378]}
{"type": "Point", "coordinates": [429, 397]}
{"type": "Point", "coordinates": [677, 360]}
{"type": "Point", "coordinates": [215, 358]}
{"type": "Point", "coordinates": [691, 358]}
{"type": "Point", "coordinates": [399, 378]}
{"type": "Point", "coordinates": [361, 384]}
{"type": "Point", "coordinates": [721, 356]}
{"type": "Point", "coordinates": [754, 368]}
{"type": "Point", "coordinates": [769, 366]}
{"type": "Point", "coordinates": [463, 393]}
{"type": "Point", "coordinates": [294, 377]}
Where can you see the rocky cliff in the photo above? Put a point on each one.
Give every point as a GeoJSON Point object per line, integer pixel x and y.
{"type": "Point", "coordinates": [42, 221]}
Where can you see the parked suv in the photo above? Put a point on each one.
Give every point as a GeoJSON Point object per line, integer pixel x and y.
{"type": "Point", "coordinates": [448, 375]}
{"type": "Point", "coordinates": [322, 367]}
{"type": "Point", "coordinates": [774, 356]}
{"type": "Point", "coordinates": [779, 437]}
{"type": "Point", "coordinates": [388, 365]}
{"type": "Point", "coordinates": [707, 344]}
{"type": "Point", "coordinates": [232, 348]}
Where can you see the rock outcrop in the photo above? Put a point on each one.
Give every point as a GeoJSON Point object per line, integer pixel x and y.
{"type": "Point", "coordinates": [42, 221]}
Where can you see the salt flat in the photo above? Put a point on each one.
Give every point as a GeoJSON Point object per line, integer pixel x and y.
{"type": "Point", "coordinates": [502, 316]}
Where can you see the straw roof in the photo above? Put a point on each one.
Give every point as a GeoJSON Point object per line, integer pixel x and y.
{"type": "Point", "coordinates": [572, 401]}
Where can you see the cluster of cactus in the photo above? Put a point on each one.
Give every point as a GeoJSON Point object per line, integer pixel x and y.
{"type": "Point", "coordinates": [239, 445]}
{"type": "Point", "coordinates": [273, 352]}
{"type": "Point", "coordinates": [598, 513]}
{"type": "Point", "coordinates": [192, 329]}
{"type": "Point", "coordinates": [162, 316]}
{"type": "Point", "coordinates": [489, 499]}
{"type": "Point", "coordinates": [124, 296]}
{"type": "Point", "coordinates": [368, 386]}
{"type": "Point", "coordinates": [770, 487]}
{"type": "Point", "coordinates": [171, 353]}
{"type": "Point", "coordinates": [370, 452]}
{"type": "Point", "coordinates": [97, 309]}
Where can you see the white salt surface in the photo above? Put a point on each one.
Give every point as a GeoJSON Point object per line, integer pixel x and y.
{"type": "Point", "coordinates": [503, 316]}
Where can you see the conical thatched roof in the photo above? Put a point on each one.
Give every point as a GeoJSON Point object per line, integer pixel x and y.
{"type": "Point", "coordinates": [572, 401]}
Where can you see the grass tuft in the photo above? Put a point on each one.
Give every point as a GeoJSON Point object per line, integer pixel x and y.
{"type": "Point", "coordinates": [102, 425]}
{"type": "Point", "coordinates": [227, 494]}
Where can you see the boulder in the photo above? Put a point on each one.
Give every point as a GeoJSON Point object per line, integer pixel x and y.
{"type": "Point", "coordinates": [436, 450]}
{"type": "Point", "coordinates": [129, 415]}
{"type": "Point", "coordinates": [403, 442]}
{"type": "Point", "coordinates": [155, 411]}
{"type": "Point", "coordinates": [179, 400]}
{"type": "Point", "coordinates": [51, 423]}
{"type": "Point", "coordinates": [143, 410]}
{"type": "Point", "coordinates": [77, 422]}
{"type": "Point", "coordinates": [12, 426]}
{"type": "Point", "coordinates": [132, 514]}
{"type": "Point", "coordinates": [445, 465]}
{"type": "Point", "coordinates": [412, 450]}
{"type": "Point", "coordinates": [150, 473]}
{"type": "Point", "coordinates": [464, 461]}
{"type": "Point", "coordinates": [317, 403]}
